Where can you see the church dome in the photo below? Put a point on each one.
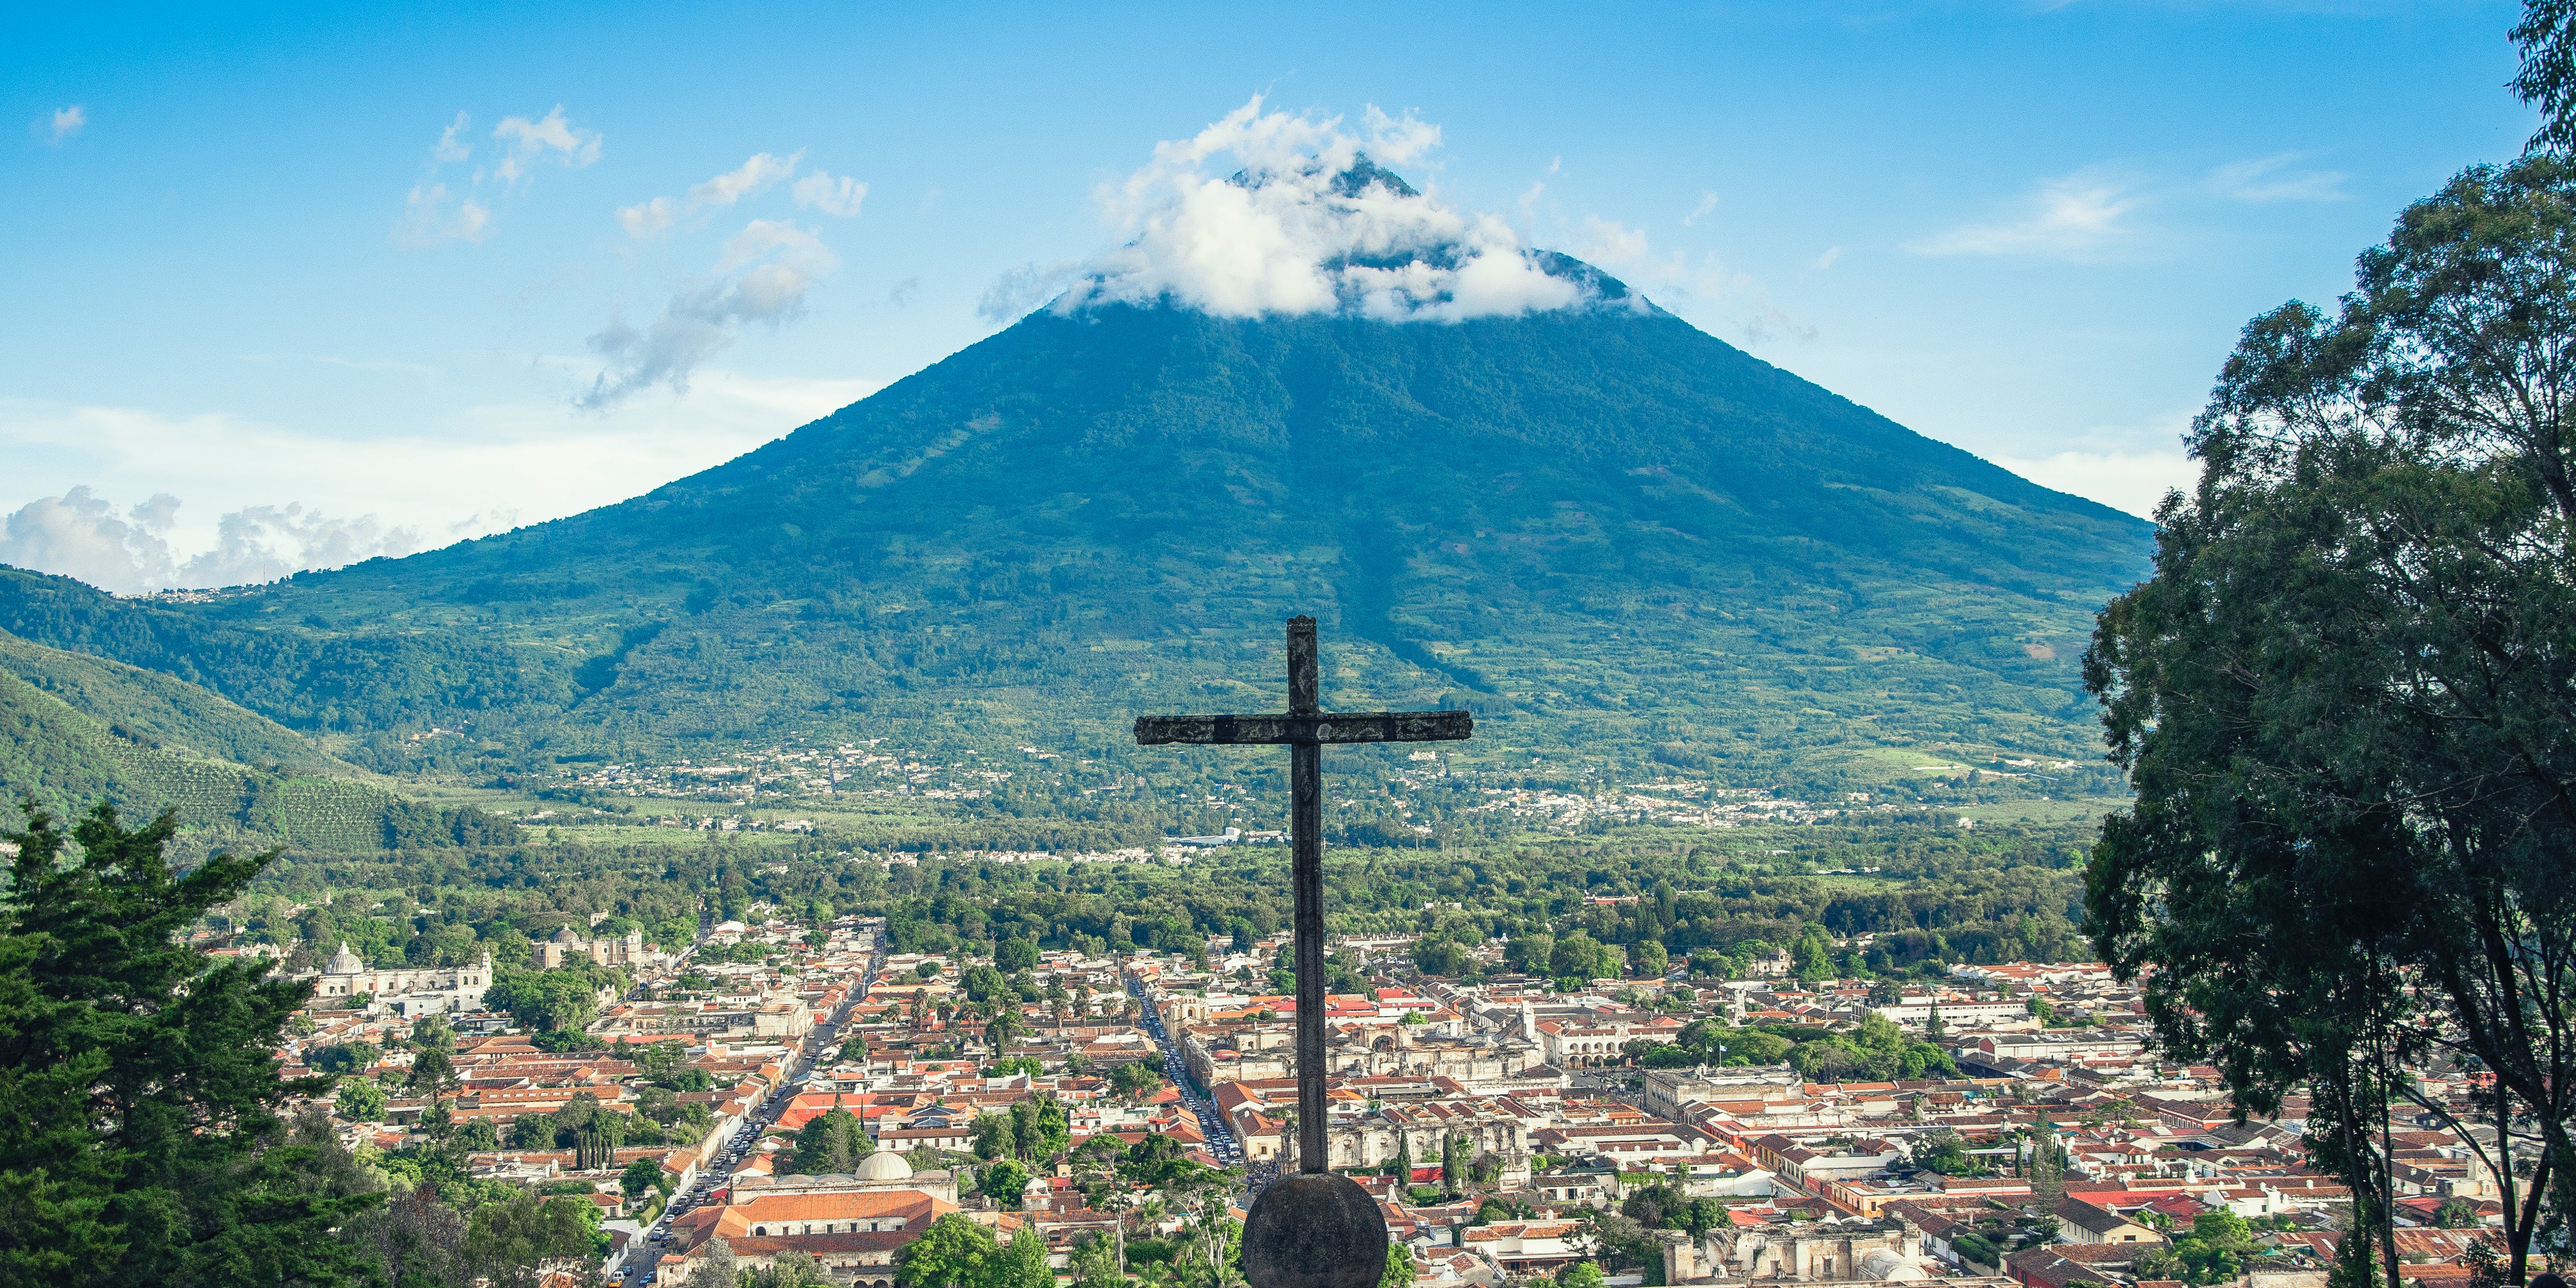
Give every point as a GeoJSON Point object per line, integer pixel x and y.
{"type": "Point", "coordinates": [345, 962]}
{"type": "Point", "coordinates": [884, 1165]}
{"type": "Point", "coordinates": [1886, 1265]}
{"type": "Point", "coordinates": [565, 936]}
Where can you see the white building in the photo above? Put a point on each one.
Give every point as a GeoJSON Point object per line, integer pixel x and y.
{"type": "Point", "coordinates": [408, 992]}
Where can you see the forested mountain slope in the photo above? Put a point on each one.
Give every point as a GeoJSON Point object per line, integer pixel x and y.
{"type": "Point", "coordinates": [76, 730]}
{"type": "Point", "coordinates": [1609, 533]}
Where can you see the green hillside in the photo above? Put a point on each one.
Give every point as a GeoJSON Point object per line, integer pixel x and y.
{"type": "Point", "coordinates": [165, 713]}
{"type": "Point", "coordinates": [1610, 534]}
{"type": "Point", "coordinates": [76, 729]}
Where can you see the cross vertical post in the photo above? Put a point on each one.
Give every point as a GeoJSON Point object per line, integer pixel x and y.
{"type": "Point", "coordinates": [1306, 879]}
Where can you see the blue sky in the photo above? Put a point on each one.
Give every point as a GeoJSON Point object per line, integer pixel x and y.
{"type": "Point", "coordinates": [375, 265]}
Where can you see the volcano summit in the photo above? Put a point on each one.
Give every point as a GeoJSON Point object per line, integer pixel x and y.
{"type": "Point", "coordinates": [1611, 534]}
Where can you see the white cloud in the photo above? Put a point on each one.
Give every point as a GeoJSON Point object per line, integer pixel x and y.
{"type": "Point", "coordinates": [484, 469]}
{"type": "Point", "coordinates": [1717, 295]}
{"type": "Point", "coordinates": [1608, 242]}
{"type": "Point", "coordinates": [1707, 203]}
{"type": "Point", "coordinates": [497, 519]}
{"type": "Point", "coordinates": [748, 179]}
{"type": "Point", "coordinates": [264, 542]}
{"type": "Point", "coordinates": [432, 214]}
{"type": "Point", "coordinates": [649, 217]}
{"type": "Point", "coordinates": [452, 146]}
{"type": "Point", "coordinates": [2133, 481]}
{"type": "Point", "coordinates": [2269, 179]}
{"type": "Point", "coordinates": [1827, 259]}
{"type": "Point", "coordinates": [1400, 141]}
{"type": "Point", "coordinates": [2068, 218]}
{"type": "Point", "coordinates": [1289, 233]}
{"type": "Point", "coordinates": [550, 139]}
{"type": "Point", "coordinates": [839, 197]}
{"type": "Point", "coordinates": [60, 124]}
{"type": "Point", "coordinates": [1024, 288]}
{"type": "Point", "coordinates": [763, 276]}
{"type": "Point", "coordinates": [79, 535]}
{"type": "Point", "coordinates": [743, 180]}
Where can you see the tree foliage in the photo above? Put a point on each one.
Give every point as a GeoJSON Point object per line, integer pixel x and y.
{"type": "Point", "coordinates": [141, 1142]}
{"type": "Point", "coordinates": [2348, 697]}
{"type": "Point", "coordinates": [952, 1253]}
{"type": "Point", "coordinates": [832, 1142]}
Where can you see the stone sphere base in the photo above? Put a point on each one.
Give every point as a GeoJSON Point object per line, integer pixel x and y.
{"type": "Point", "coordinates": [1314, 1230]}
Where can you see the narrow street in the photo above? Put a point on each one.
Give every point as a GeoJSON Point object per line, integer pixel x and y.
{"type": "Point", "coordinates": [636, 1268]}
{"type": "Point", "coordinates": [1212, 1124]}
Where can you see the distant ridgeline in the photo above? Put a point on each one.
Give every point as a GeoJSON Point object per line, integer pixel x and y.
{"type": "Point", "coordinates": [1610, 534]}
{"type": "Point", "coordinates": [75, 730]}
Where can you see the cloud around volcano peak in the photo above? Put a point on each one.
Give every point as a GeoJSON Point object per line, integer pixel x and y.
{"type": "Point", "coordinates": [1305, 221]}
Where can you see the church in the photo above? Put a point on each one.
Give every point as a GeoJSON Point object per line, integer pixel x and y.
{"type": "Point", "coordinates": [566, 945]}
{"type": "Point", "coordinates": [852, 1223]}
{"type": "Point", "coordinates": [409, 991]}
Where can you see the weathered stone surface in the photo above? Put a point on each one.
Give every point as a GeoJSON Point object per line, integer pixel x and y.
{"type": "Point", "coordinates": [1295, 728]}
{"type": "Point", "coordinates": [1314, 1230]}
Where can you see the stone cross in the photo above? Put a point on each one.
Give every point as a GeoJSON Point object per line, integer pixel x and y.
{"type": "Point", "coordinates": [1313, 1234]}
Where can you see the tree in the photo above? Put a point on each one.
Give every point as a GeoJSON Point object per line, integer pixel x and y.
{"type": "Point", "coordinates": [550, 1001]}
{"type": "Point", "coordinates": [2343, 699]}
{"type": "Point", "coordinates": [1040, 1128]}
{"type": "Point", "coordinates": [718, 1268]}
{"type": "Point", "coordinates": [1944, 1152]}
{"type": "Point", "coordinates": [832, 1143]}
{"type": "Point", "coordinates": [1007, 1023]}
{"type": "Point", "coordinates": [1021, 1263]}
{"type": "Point", "coordinates": [142, 1141]}
{"type": "Point", "coordinates": [1579, 956]}
{"type": "Point", "coordinates": [993, 1137]}
{"type": "Point", "coordinates": [1004, 1182]}
{"type": "Point", "coordinates": [1011, 956]}
{"type": "Point", "coordinates": [345, 1057]}
{"type": "Point", "coordinates": [640, 1176]}
{"type": "Point", "coordinates": [2547, 79]}
{"type": "Point", "coordinates": [1441, 955]}
{"type": "Point", "coordinates": [515, 1241]}
{"type": "Point", "coordinates": [433, 1068]}
{"type": "Point", "coordinates": [1648, 959]}
{"type": "Point", "coordinates": [1399, 1266]}
{"type": "Point", "coordinates": [1580, 1274]}
{"type": "Point", "coordinates": [1813, 956]}
{"type": "Point", "coordinates": [1211, 1255]}
{"type": "Point", "coordinates": [417, 1241]}
{"type": "Point", "coordinates": [361, 1101]}
{"type": "Point", "coordinates": [1403, 1158]}
{"type": "Point", "coordinates": [983, 984]}
{"type": "Point", "coordinates": [1135, 1078]}
{"type": "Point", "coordinates": [2047, 1172]}
{"type": "Point", "coordinates": [1095, 1263]}
{"type": "Point", "coordinates": [952, 1253]}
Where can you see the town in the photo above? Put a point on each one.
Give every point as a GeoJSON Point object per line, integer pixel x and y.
{"type": "Point", "coordinates": [1416, 795]}
{"type": "Point", "coordinates": [792, 1097]}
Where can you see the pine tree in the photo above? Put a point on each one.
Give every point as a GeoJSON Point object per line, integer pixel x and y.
{"type": "Point", "coordinates": [141, 1142]}
{"type": "Point", "coordinates": [2047, 1165]}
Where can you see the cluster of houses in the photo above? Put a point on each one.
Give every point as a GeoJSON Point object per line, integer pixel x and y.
{"type": "Point", "coordinates": [1509, 1129]}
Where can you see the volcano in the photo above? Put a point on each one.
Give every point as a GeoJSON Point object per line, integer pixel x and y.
{"type": "Point", "coordinates": [1609, 533]}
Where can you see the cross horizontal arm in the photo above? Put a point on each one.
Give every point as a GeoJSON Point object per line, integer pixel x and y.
{"type": "Point", "coordinates": [1309, 730]}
